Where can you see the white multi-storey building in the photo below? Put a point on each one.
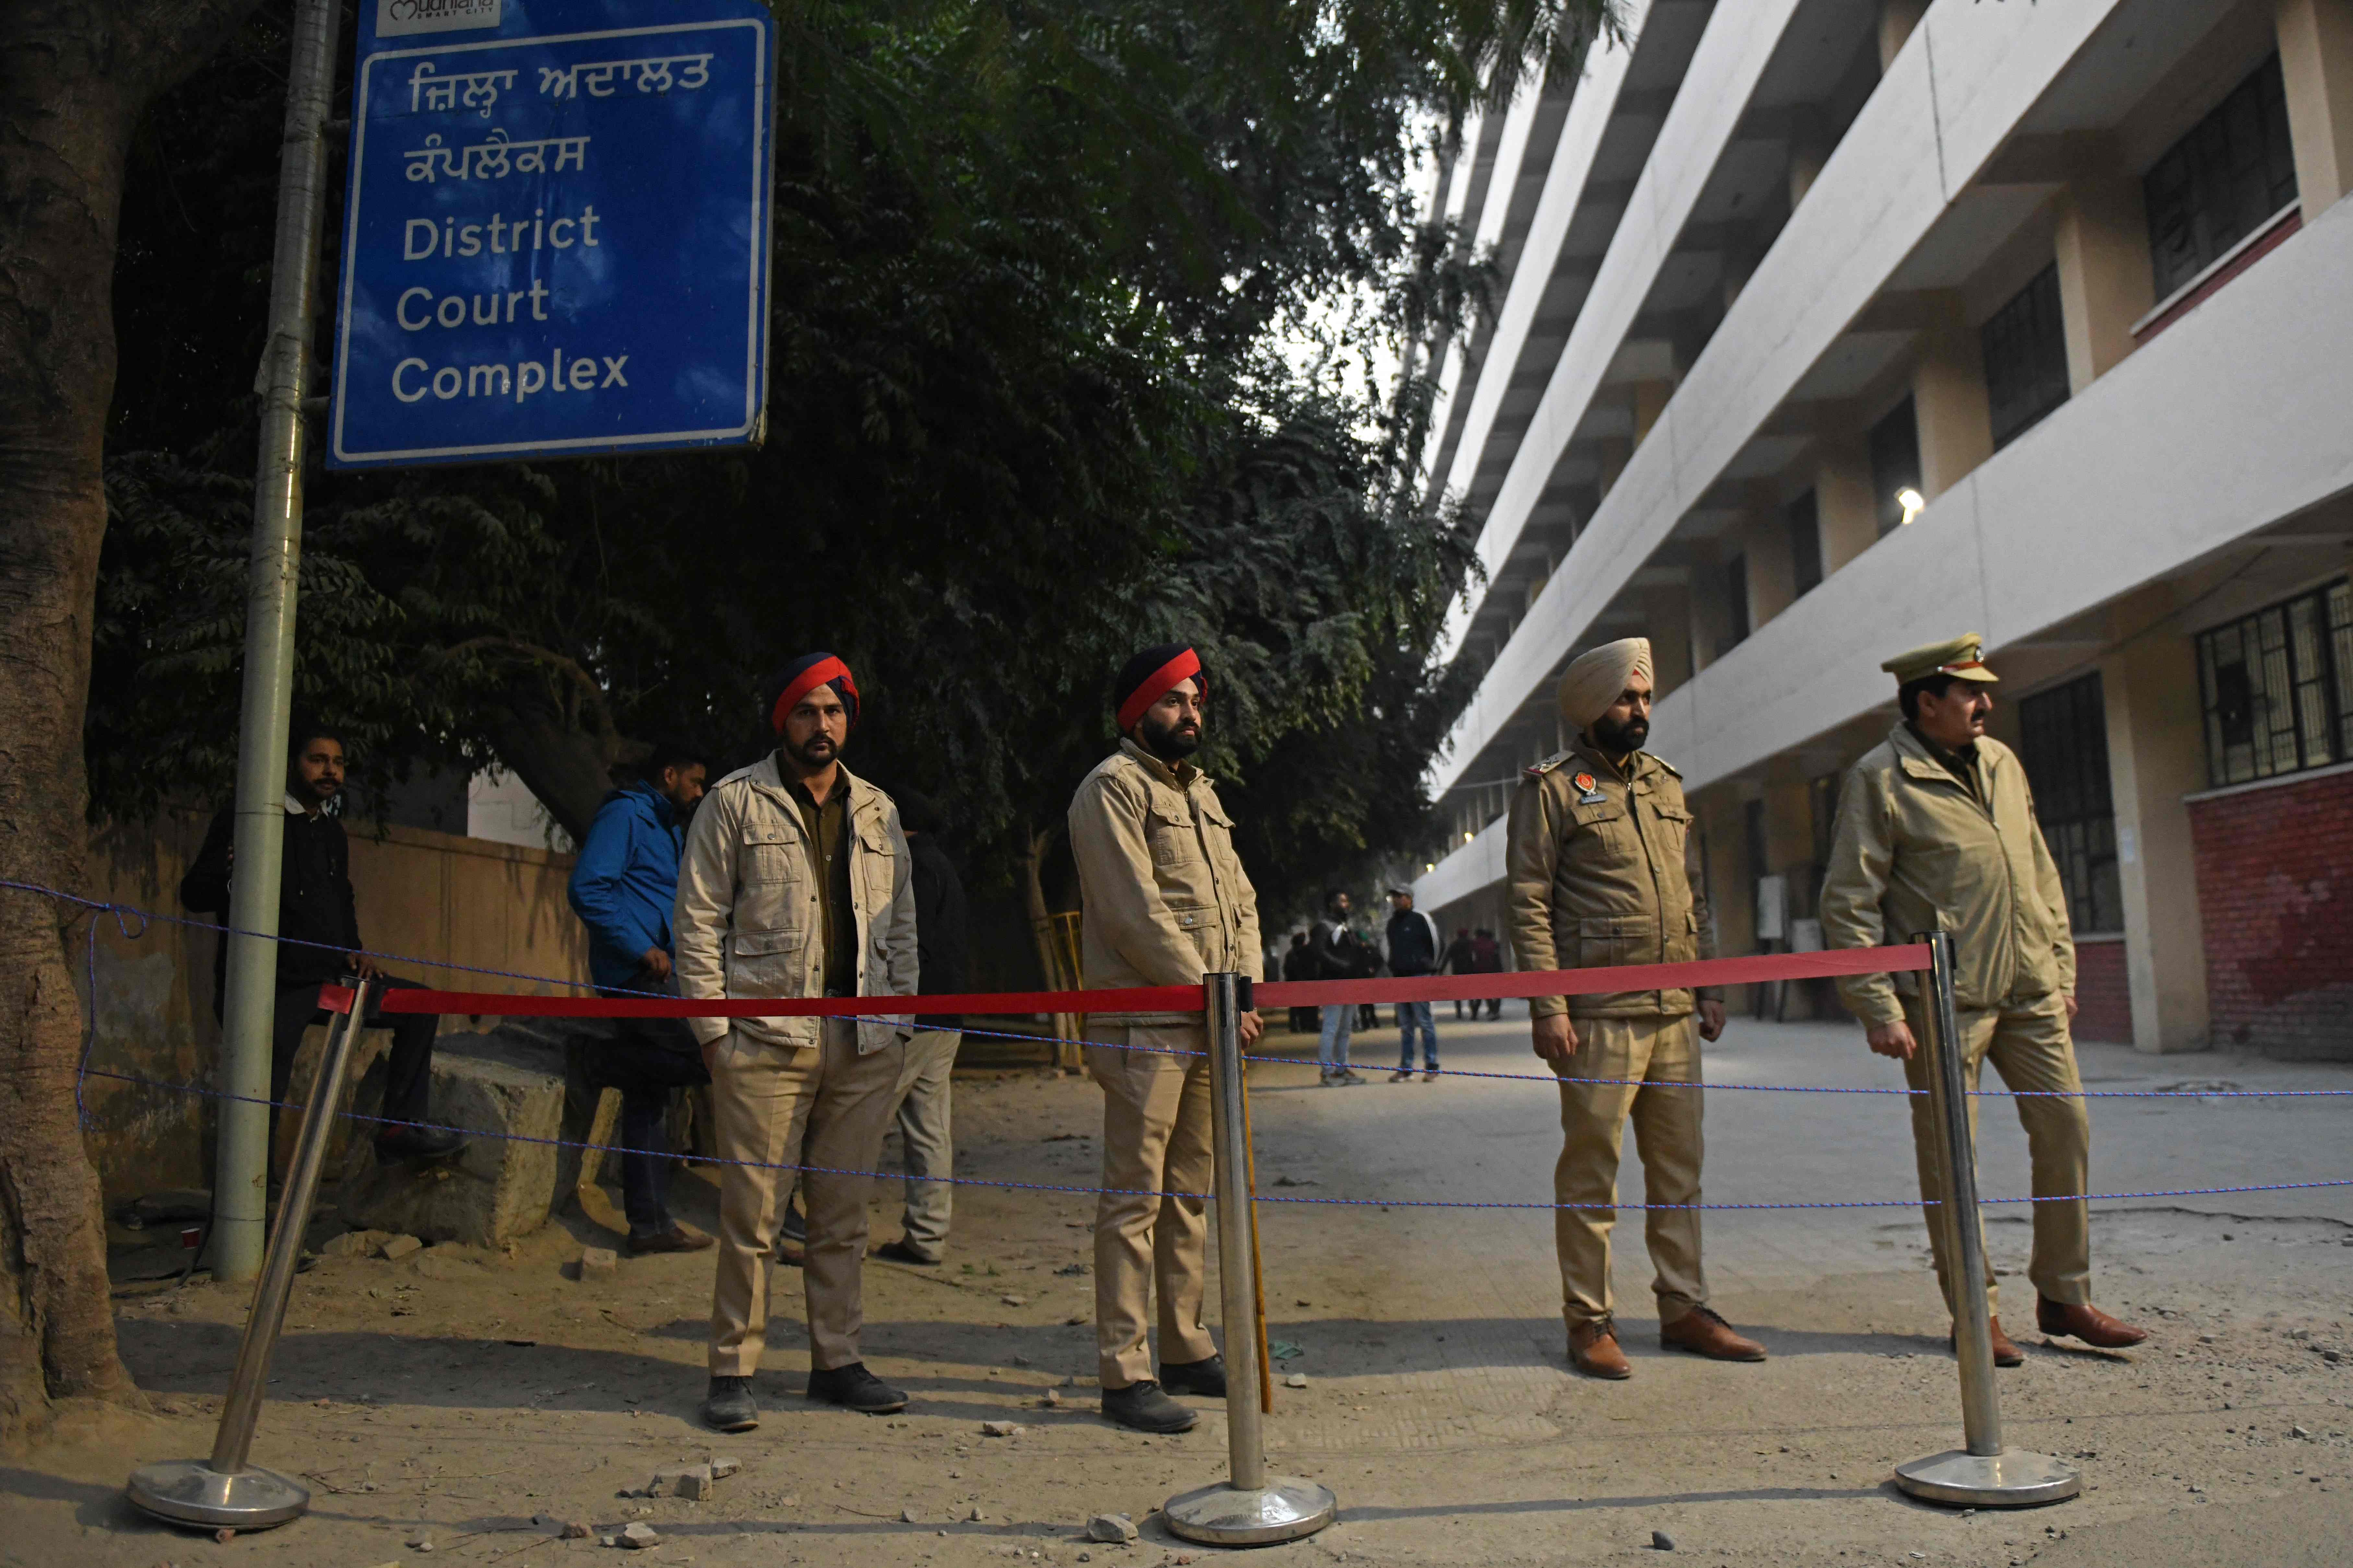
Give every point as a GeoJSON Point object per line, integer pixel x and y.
{"type": "Point", "coordinates": [1833, 327]}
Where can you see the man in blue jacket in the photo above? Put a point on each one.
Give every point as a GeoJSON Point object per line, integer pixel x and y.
{"type": "Point", "coordinates": [622, 889]}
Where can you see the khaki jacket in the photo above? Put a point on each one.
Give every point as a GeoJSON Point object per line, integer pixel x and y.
{"type": "Point", "coordinates": [1595, 882]}
{"type": "Point", "coordinates": [1915, 852]}
{"type": "Point", "coordinates": [1167, 901]}
{"type": "Point", "coordinates": [747, 920]}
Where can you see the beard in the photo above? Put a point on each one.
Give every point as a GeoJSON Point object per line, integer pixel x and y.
{"type": "Point", "coordinates": [1620, 739]}
{"type": "Point", "coordinates": [1171, 742]}
{"type": "Point", "coordinates": [814, 752]}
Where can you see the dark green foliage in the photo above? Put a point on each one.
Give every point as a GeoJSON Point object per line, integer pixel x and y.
{"type": "Point", "coordinates": [1026, 414]}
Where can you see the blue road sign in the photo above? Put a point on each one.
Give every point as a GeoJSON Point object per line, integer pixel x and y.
{"type": "Point", "coordinates": [556, 240]}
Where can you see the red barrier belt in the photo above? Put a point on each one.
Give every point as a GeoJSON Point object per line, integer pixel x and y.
{"type": "Point", "coordinates": [1166, 998]}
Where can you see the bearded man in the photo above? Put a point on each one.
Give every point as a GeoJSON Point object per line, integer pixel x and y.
{"type": "Point", "coordinates": [1166, 904]}
{"type": "Point", "coordinates": [796, 881]}
{"type": "Point", "coordinates": [1597, 868]}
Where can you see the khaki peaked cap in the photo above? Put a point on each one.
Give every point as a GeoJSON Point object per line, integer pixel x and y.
{"type": "Point", "coordinates": [1963, 655]}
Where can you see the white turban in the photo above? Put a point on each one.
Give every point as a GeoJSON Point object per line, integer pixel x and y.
{"type": "Point", "coordinates": [1596, 679]}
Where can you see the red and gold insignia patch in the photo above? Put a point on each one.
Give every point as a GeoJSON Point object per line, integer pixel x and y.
{"type": "Point", "coordinates": [1584, 782]}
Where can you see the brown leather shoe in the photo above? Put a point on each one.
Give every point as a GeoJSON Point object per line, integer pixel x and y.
{"type": "Point", "coordinates": [1593, 1351]}
{"type": "Point", "coordinates": [1702, 1332]}
{"type": "Point", "coordinates": [2005, 1353]}
{"type": "Point", "coordinates": [2087, 1322]}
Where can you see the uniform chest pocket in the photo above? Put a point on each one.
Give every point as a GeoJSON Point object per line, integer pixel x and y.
{"type": "Point", "coordinates": [1673, 820]}
{"type": "Point", "coordinates": [1600, 834]}
{"type": "Point", "coordinates": [1171, 836]}
{"type": "Point", "coordinates": [768, 853]}
{"type": "Point", "coordinates": [877, 867]}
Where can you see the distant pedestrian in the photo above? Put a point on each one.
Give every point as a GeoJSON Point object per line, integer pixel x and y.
{"type": "Point", "coordinates": [926, 1112]}
{"type": "Point", "coordinates": [1413, 953]}
{"type": "Point", "coordinates": [623, 887]}
{"type": "Point", "coordinates": [1335, 958]}
{"type": "Point", "coordinates": [1299, 963]}
{"type": "Point", "coordinates": [1461, 959]}
{"type": "Point", "coordinates": [1487, 958]}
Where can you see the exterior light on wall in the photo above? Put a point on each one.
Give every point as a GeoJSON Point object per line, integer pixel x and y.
{"type": "Point", "coordinates": [1428, 865]}
{"type": "Point", "coordinates": [1466, 836]}
{"type": "Point", "coordinates": [1912, 501]}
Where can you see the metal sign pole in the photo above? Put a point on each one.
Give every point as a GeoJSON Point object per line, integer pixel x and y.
{"type": "Point", "coordinates": [1250, 1508]}
{"type": "Point", "coordinates": [242, 1172]}
{"type": "Point", "coordinates": [226, 1491]}
{"type": "Point", "coordinates": [1983, 1474]}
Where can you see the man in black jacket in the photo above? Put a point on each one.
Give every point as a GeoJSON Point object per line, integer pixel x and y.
{"type": "Point", "coordinates": [926, 1121]}
{"type": "Point", "coordinates": [319, 944]}
{"type": "Point", "coordinates": [1413, 950]}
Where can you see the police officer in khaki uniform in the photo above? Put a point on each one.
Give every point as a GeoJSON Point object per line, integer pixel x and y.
{"type": "Point", "coordinates": [1598, 873]}
{"type": "Point", "coordinates": [796, 881]}
{"type": "Point", "coordinates": [1166, 904]}
{"type": "Point", "coordinates": [1937, 832]}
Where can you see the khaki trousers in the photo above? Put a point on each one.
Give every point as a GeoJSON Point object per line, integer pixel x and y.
{"type": "Point", "coordinates": [1155, 1139]}
{"type": "Point", "coordinates": [1656, 1052]}
{"type": "Point", "coordinates": [825, 1106]}
{"type": "Point", "coordinates": [928, 1132]}
{"type": "Point", "coordinates": [2031, 1048]}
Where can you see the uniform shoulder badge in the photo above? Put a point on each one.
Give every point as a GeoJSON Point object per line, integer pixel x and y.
{"type": "Point", "coordinates": [1538, 769]}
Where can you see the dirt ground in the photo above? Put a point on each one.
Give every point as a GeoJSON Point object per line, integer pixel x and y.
{"type": "Point", "coordinates": [476, 1401]}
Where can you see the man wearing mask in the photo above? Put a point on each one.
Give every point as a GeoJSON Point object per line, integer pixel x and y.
{"type": "Point", "coordinates": [796, 881]}
{"type": "Point", "coordinates": [1937, 832]}
{"type": "Point", "coordinates": [1165, 902]}
{"type": "Point", "coordinates": [319, 944]}
{"type": "Point", "coordinates": [623, 887]}
{"type": "Point", "coordinates": [1413, 950]}
{"type": "Point", "coordinates": [1599, 873]}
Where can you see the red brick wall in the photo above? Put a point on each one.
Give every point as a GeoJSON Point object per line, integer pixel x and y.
{"type": "Point", "coordinates": [2275, 900]}
{"type": "Point", "coordinates": [2103, 993]}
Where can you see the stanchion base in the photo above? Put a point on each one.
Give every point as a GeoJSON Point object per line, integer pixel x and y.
{"type": "Point", "coordinates": [2011, 1478]}
{"type": "Point", "coordinates": [1285, 1509]}
{"type": "Point", "coordinates": [190, 1491]}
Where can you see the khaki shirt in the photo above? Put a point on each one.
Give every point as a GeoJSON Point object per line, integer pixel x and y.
{"type": "Point", "coordinates": [750, 916]}
{"type": "Point", "coordinates": [1917, 850]}
{"type": "Point", "coordinates": [1165, 898]}
{"type": "Point", "coordinates": [1598, 871]}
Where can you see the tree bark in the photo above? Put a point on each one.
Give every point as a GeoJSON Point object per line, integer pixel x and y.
{"type": "Point", "coordinates": [75, 76]}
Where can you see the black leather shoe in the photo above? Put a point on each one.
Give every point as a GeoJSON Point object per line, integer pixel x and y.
{"type": "Point", "coordinates": [854, 1388]}
{"type": "Point", "coordinates": [425, 1144]}
{"type": "Point", "coordinates": [1207, 1378]}
{"type": "Point", "coordinates": [1145, 1408]}
{"type": "Point", "coordinates": [900, 1252]}
{"type": "Point", "coordinates": [729, 1406]}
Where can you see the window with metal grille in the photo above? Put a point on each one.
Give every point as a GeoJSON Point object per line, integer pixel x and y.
{"type": "Point", "coordinates": [2025, 345]}
{"type": "Point", "coordinates": [1804, 519]}
{"type": "Point", "coordinates": [1895, 464]}
{"type": "Point", "coordinates": [2278, 688]}
{"type": "Point", "coordinates": [2063, 740]}
{"type": "Point", "coordinates": [2229, 174]}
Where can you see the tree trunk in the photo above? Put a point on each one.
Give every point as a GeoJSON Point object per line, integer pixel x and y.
{"type": "Point", "coordinates": [75, 76]}
{"type": "Point", "coordinates": [1052, 959]}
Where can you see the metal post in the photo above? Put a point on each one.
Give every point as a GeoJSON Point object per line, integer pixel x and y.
{"type": "Point", "coordinates": [1250, 1508]}
{"type": "Point", "coordinates": [240, 1183]}
{"type": "Point", "coordinates": [226, 1491]}
{"type": "Point", "coordinates": [1983, 1474]}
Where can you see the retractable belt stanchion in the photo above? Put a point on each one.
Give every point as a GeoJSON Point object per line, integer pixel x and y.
{"type": "Point", "coordinates": [1984, 1474]}
{"type": "Point", "coordinates": [225, 1491]}
{"type": "Point", "coordinates": [1250, 1508]}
